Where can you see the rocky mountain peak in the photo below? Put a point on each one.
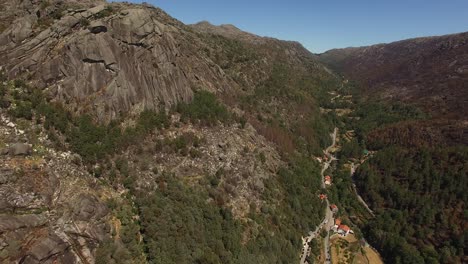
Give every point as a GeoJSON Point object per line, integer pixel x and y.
{"type": "Point", "coordinates": [112, 58]}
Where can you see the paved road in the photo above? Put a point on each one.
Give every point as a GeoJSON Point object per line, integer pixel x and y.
{"type": "Point", "coordinates": [328, 221]}
{"type": "Point", "coordinates": [353, 170]}
{"type": "Point", "coordinates": [329, 213]}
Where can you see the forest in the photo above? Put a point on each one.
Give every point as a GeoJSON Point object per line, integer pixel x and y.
{"type": "Point", "coordinates": [177, 223]}
{"type": "Point", "coordinates": [416, 190]}
{"type": "Point", "coordinates": [419, 196]}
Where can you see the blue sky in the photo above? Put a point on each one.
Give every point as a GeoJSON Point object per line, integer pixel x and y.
{"type": "Point", "coordinates": [326, 24]}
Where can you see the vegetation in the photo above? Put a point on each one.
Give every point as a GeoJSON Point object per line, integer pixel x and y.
{"type": "Point", "coordinates": [91, 140]}
{"type": "Point", "coordinates": [415, 191]}
{"type": "Point", "coordinates": [419, 197]}
{"type": "Point", "coordinates": [300, 126]}
{"type": "Point", "coordinates": [130, 249]}
{"type": "Point", "coordinates": [228, 53]}
{"type": "Point", "coordinates": [108, 11]}
{"type": "Point", "coordinates": [189, 224]}
{"type": "Point", "coordinates": [372, 115]}
{"type": "Point", "coordinates": [179, 226]}
{"type": "Point", "coordinates": [204, 108]}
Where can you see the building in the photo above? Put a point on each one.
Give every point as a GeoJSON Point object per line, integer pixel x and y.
{"type": "Point", "coordinates": [323, 196]}
{"type": "Point", "coordinates": [343, 230]}
{"type": "Point", "coordinates": [334, 208]}
{"type": "Point", "coordinates": [335, 226]}
{"type": "Point", "coordinates": [337, 222]}
{"type": "Point", "coordinates": [328, 180]}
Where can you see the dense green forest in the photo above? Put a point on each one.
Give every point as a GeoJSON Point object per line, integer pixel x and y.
{"type": "Point", "coordinates": [419, 196]}
{"type": "Point", "coordinates": [177, 223]}
{"type": "Point", "coordinates": [185, 224]}
{"type": "Point", "coordinates": [417, 191]}
{"type": "Point", "coordinates": [181, 224]}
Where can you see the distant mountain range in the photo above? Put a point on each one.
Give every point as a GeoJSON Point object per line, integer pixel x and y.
{"type": "Point", "coordinates": [431, 72]}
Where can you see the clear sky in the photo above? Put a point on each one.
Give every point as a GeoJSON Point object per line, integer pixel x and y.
{"type": "Point", "coordinates": [326, 24]}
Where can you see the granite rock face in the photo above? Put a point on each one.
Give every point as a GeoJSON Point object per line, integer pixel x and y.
{"type": "Point", "coordinates": [110, 58]}
{"type": "Point", "coordinates": [51, 208]}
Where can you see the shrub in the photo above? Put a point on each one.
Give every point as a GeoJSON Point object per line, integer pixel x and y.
{"type": "Point", "coordinates": [204, 108]}
{"type": "Point", "coordinates": [84, 22]}
{"type": "Point", "coordinates": [23, 110]}
{"type": "Point", "coordinates": [109, 10]}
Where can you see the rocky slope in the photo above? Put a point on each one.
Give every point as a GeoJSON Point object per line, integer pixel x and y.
{"type": "Point", "coordinates": [51, 209]}
{"type": "Point", "coordinates": [111, 59]}
{"type": "Point", "coordinates": [123, 104]}
{"type": "Point", "coordinates": [431, 72]}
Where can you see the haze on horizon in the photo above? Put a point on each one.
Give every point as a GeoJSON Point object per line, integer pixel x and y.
{"type": "Point", "coordinates": [321, 26]}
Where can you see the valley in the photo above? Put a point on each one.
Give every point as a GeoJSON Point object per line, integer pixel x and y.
{"type": "Point", "coordinates": [127, 136]}
{"type": "Point", "coordinates": [327, 225]}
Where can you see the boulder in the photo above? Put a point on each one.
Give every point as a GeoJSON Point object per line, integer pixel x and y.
{"type": "Point", "coordinates": [88, 208]}
{"type": "Point", "coordinates": [4, 151]}
{"type": "Point", "coordinates": [19, 149]}
{"type": "Point", "coordinates": [50, 246]}
{"type": "Point", "coordinates": [13, 222]}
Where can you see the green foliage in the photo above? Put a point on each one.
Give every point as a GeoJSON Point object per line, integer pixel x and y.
{"type": "Point", "coordinates": [179, 226]}
{"type": "Point", "coordinates": [149, 120]}
{"type": "Point", "coordinates": [229, 53]}
{"type": "Point", "coordinates": [130, 249]}
{"type": "Point", "coordinates": [204, 108]}
{"type": "Point", "coordinates": [416, 194]}
{"type": "Point", "coordinates": [91, 140]}
{"type": "Point", "coordinates": [22, 110]}
{"type": "Point", "coordinates": [351, 149]}
{"type": "Point", "coordinates": [84, 22]}
{"type": "Point", "coordinates": [373, 115]}
{"type": "Point", "coordinates": [108, 11]}
{"type": "Point", "coordinates": [298, 183]}
{"type": "Point", "coordinates": [3, 93]}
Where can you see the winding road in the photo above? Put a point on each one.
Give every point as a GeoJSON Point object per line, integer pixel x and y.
{"type": "Point", "coordinates": [328, 221]}
{"type": "Point", "coordinates": [353, 170]}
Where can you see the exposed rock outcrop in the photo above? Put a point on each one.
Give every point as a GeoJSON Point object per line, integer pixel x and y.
{"type": "Point", "coordinates": [112, 58]}
{"type": "Point", "coordinates": [50, 207]}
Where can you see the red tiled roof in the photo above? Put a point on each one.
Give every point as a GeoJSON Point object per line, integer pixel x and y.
{"type": "Point", "coordinates": [333, 206]}
{"type": "Point", "coordinates": [337, 221]}
{"type": "Point", "coordinates": [344, 228]}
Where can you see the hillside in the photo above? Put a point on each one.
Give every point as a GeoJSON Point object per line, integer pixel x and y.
{"type": "Point", "coordinates": [430, 72]}
{"type": "Point", "coordinates": [409, 112]}
{"type": "Point", "coordinates": [190, 145]}
{"type": "Point", "coordinates": [127, 136]}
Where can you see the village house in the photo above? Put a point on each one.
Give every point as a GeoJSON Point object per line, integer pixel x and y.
{"type": "Point", "coordinates": [334, 208]}
{"type": "Point", "coordinates": [337, 223]}
{"type": "Point", "coordinates": [322, 196]}
{"type": "Point", "coordinates": [344, 230]}
{"type": "Point", "coordinates": [328, 180]}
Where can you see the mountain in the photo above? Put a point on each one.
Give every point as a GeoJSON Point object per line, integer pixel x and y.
{"type": "Point", "coordinates": [430, 72]}
{"type": "Point", "coordinates": [129, 137]}
{"type": "Point", "coordinates": [410, 110]}
{"type": "Point", "coordinates": [111, 59]}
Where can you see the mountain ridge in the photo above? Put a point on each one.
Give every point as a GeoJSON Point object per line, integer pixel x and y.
{"type": "Point", "coordinates": [430, 72]}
